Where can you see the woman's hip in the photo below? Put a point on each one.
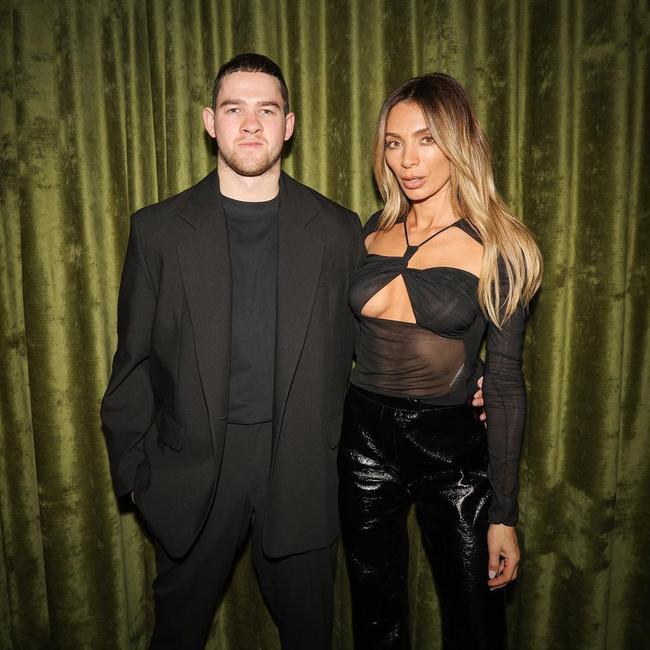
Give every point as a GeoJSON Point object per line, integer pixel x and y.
{"type": "Point", "coordinates": [414, 434]}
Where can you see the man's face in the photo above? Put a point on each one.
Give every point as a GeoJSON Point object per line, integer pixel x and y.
{"type": "Point", "coordinates": [248, 122]}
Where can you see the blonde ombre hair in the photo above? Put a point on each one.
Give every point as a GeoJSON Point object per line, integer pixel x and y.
{"type": "Point", "coordinates": [455, 129]}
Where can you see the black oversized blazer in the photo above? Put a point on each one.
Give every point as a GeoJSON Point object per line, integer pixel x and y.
{"type": "Point", "coordinates": [165, 408]}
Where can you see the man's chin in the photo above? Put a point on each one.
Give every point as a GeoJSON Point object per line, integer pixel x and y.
{"type": "Point", "coordinates": [250, 168]}
{"type": "Point", "coordinates": [255, 171]}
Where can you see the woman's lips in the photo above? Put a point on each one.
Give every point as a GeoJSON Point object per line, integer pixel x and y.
{"type": "Point", "coordinates": [413, 183]}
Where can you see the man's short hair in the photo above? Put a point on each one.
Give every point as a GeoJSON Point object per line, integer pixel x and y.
{"type": "Point", "coordinates": [251, 62]}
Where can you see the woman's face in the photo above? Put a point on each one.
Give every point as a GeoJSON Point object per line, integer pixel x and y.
{"type": "Point", "coordinates": [421, 169]}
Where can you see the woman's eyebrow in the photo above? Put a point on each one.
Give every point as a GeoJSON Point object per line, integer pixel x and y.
{"type": "Point", "coordinates": [418, 132]}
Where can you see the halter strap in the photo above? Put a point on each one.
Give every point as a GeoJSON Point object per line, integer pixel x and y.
{"type": "Point", "coordinates": [414, 247]}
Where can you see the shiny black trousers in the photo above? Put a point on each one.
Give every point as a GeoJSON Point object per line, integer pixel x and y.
{"type": "Point", "coordinates": [398, 451]}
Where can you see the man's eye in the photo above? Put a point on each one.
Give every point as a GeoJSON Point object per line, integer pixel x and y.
{"type": "Point", "coordinates": [234, 109]}
{"type": "Point", "coordinates": [267, 111]}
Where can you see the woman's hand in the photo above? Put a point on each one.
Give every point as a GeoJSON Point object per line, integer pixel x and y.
{"type": "Point", "coordinates": [503, 551]}
{"type": "Point", "coordinates": [477, 400]}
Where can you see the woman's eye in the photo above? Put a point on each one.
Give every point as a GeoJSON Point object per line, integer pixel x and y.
{"type": "Point", "coordinates": [391, 144]}
{"type": "Point", "coordinates": [427, 139]}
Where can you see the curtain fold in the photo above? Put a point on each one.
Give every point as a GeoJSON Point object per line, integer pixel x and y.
{"type": "Point", "coordinates": [100, 114]}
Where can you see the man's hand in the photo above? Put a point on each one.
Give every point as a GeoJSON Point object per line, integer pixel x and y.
{"type": "Point", "coordinates": [503, 551]}
{"type": "Point", "coordinates": [478, 399]}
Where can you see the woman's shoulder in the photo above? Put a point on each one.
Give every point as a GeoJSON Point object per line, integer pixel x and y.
{"type": "Point", "coordinates": [469, 229]}
{"type": "Point", "coordinates": [371, 224]}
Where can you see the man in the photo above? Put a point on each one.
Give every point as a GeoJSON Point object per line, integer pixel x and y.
{"type": "Point", "coordinates": [224, 406]}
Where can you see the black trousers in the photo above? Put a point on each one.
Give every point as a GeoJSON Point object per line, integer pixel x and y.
{"type": "Point", "coordinates": [395, 451]}
{"type": "Point", "coordinates": [298, 589]}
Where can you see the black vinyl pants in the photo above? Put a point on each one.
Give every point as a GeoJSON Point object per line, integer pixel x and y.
{"type": "Point", "coordinates": [395, 451]}
{"type": "Point", "coordinates": [298, 589]}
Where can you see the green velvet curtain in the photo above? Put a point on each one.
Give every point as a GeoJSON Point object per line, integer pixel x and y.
{"type": "Point", "coordinates": [100, 105]}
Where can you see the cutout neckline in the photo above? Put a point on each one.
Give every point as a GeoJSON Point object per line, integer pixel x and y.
{"type": "Point", "coordinates": [411, 249]}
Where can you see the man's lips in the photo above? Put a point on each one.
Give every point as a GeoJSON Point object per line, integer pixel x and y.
{"type": "Point", "coordinates": [413, 183]}
{"type": "Point", "coordinates": [251, 143]}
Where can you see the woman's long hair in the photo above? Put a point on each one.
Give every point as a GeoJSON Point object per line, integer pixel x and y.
{"type": "Point", "coordinates": [455, 129]}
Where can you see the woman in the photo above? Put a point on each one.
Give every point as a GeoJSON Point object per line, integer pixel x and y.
{"type": "Point", "coordinates": [446, 263]}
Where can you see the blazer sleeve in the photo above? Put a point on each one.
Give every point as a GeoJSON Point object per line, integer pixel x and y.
{"type": "Point", "coordinates": [127, 409]}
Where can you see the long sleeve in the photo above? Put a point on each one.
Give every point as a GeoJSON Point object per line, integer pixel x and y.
{"type": "Point", "coordinates": [127, 410]}
{"type": "Point", "coordinates": [505, 405]}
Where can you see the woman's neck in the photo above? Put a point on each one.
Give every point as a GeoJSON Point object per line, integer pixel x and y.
{"type": "Point", "coordinates": [434, 213]}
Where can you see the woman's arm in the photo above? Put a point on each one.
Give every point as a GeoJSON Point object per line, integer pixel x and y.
{"type": "Point", "coordinates": [505, 404]}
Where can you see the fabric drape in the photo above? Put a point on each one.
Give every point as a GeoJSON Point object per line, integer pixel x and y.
{"type": "Point", "coordinates": [100, 106]}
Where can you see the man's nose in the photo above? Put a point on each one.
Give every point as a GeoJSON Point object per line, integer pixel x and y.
{"type": "Point", "coordinates": [251, 123]}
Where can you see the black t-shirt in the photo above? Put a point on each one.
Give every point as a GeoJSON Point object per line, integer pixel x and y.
{"type": "Point", "coordinates": [253, 238]}
{"type": "Point", "coordinates": [435, 358]}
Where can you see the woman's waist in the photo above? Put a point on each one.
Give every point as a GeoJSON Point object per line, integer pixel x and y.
{"type": "Point", "coordinates": [408, 402]}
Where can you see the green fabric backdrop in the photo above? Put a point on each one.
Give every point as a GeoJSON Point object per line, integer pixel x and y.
{"type": "Point", "coordinates": [100, 114]}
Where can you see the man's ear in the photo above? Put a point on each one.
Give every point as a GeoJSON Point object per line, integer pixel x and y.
{"type": "Point", "coordinates": [208, 121]}
{"type": "Point", "coordinates": [290, 121]}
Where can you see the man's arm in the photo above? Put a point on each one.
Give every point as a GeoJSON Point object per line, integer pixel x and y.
{"type": "Point", "coordinates": [128, 409]}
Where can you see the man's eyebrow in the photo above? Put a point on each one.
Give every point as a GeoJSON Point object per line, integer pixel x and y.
{"type": "Point", "coordinates": [239, 102]}
{"type": "Point", "coordinates": [226, 101]}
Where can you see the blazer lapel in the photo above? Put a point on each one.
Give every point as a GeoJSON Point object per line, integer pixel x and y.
{"type": "Point", "coordinates": [300, 253]}
{"type": "Point", "coordinates": [204, 259]}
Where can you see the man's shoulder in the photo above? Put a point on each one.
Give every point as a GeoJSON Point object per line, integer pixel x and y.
{"type": "Point", "coordinates": [164, 209]}
{"type": "Point", "coordinates": [324, 204]}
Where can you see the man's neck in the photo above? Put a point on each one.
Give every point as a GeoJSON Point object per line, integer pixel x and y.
{"type": "Point", "coordinates": [249, 188]}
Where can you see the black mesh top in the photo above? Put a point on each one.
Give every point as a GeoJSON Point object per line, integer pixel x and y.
{"type": "Point", "coordinates": [435, 358]}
